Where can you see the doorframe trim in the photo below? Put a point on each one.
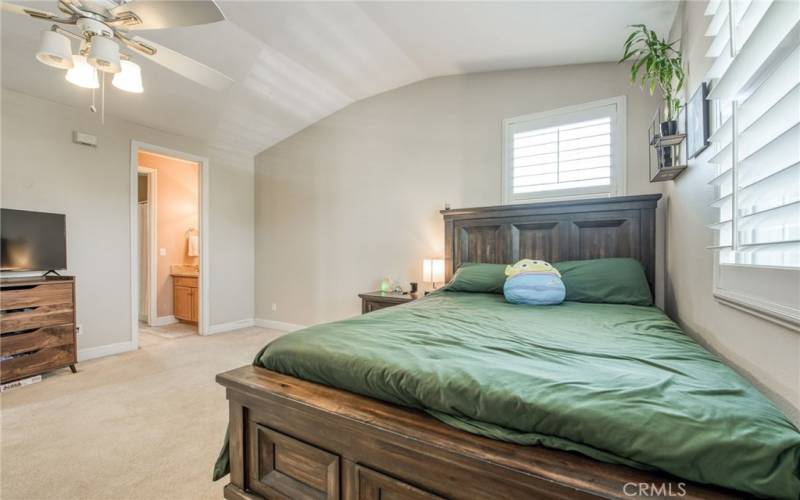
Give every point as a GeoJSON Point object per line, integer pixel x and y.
{"type": "Point", "coordinates": [204, 179]}
{"type": "Point", "coordinates": [152, 209]}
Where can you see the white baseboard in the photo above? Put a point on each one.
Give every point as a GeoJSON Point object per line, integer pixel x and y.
{"type": "Point", "coordinates": [278, 325]}
{"type": "Point", "coordinates": [231, 325]}
{"type": "Point", "coordinates": [164, 321]}
{"type": "Point", "coordinates": [105, 350]}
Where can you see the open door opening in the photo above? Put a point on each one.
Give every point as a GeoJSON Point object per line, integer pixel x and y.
{"type": "Point", "coordinates": [169, 255]}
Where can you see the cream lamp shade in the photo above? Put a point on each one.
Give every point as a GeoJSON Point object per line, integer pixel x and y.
{"type": "Point", "coordinates": [433, 271]}
{"type": "Point", "coordinates": [55, 50]}
{"type": "Point", "coordinates": [129, 79]}
{"type": "Point", "coordinates": [82, 74]}
{"type": "Point", "coordinates": [104, 54]}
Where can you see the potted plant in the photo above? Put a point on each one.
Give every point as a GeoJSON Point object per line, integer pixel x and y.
{"type": "Point", "coordinates": [660, 65]}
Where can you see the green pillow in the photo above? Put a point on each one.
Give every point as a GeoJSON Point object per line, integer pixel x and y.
{"type": "Point", "coordinates": [613, 281]}
{"type": "Point", "coordinates": [480, 278]}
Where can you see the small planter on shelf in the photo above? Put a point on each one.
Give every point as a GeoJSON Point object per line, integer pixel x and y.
{"type": "Point", "coordinates": [666, 147]}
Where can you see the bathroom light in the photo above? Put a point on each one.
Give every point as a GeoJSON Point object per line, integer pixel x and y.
{"type": "Point", "coordinates": [104, 54]}
{"type": "Point", "coordinates": [82, 74]}
{"type": "Point", "coordinates": [130, 78]}
{"type": "Point", "coordinates": [55, 50]}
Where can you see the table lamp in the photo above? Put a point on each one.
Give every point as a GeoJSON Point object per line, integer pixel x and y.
{"type": "Point", "coordinates": [433, 271]}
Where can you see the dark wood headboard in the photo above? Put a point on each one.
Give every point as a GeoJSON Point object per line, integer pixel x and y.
{"type": "Point", "coordinates": [554, 231]}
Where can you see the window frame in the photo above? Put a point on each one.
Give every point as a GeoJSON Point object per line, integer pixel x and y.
{"type": "Point", "coordinates": [773, 282]}
{"type": "Point", "coordinates": [619, 168]}
{"type": "Point", "coordinates": [765, 291]}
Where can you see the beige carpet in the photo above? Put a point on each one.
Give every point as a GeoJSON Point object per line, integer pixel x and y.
{"type": "Point", "coordinates": [140, 425]}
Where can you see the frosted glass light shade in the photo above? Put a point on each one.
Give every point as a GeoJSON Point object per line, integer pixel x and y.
{"type": "Point", "coordinates": [82, 74]}
{"type": "Point", "coordinates": [104, 54]}
{"type": "Point", "coordinates": [433, 270]}
{"type": "Point", "coordinates": [55, 50]}
{"type": "Point", "coordinates": [129, 79]}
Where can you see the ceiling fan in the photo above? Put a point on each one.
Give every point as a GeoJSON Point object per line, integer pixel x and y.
{"type": "Point", "coordinates": [103, 25]}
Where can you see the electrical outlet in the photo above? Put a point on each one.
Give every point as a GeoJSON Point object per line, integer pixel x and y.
{"type": "Point", "coordinates": [78, 329]}
{"type": "Point", "coordinates": [162, 252]}
{"type": "Point", "coordinates": [274, 307]}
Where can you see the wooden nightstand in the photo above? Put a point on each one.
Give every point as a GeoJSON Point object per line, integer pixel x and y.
{"type": "Point", "coordinates": [373, 301]}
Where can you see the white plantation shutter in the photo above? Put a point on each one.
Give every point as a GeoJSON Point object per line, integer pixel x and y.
{"type": "Point", "coordinates": [755, 88]}
{"type": "Point", "coordinates": [566, 152]}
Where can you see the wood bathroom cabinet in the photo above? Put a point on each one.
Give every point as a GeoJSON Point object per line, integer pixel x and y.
{"type": "Point", "coordinates": [185, 298]}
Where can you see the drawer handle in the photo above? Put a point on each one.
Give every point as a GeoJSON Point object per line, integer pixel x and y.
{"type": "Point", "coordinates": [19, 355]}
{"type": "Point", "coordinates": [21, 287]}
{"type": "Point", "coordinates": [19, 332]}
{"type": "Point", "coordinates": [20, 310]}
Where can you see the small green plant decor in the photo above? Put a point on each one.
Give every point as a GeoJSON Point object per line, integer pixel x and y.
{"type": "Point", "coordinates": [660, 65]}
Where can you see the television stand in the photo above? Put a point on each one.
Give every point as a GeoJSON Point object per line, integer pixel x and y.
{"type": "Point", "coordinates": [37, 326]}
{"type": "Point", "coordinates": [53, 271]}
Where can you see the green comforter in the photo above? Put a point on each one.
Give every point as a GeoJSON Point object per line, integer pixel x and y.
{"type": "Point", "coordinates": [619, 383]}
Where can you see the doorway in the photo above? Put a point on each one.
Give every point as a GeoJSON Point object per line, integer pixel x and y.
{"type": "Point", "coordinates": [169, 258]}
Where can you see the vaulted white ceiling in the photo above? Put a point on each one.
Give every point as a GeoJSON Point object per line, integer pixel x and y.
{"type": "Point", "coordinates": [297, 62]}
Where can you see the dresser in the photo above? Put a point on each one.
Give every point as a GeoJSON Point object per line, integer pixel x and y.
{"type": "Point", "coordinates": [37, 326]}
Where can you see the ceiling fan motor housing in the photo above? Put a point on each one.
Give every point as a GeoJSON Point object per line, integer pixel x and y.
{"type": "Point", "coordinates": [91, 27]}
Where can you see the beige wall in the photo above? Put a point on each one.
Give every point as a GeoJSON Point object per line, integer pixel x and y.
{"type": "Point", "coordinates": [355, 197]}
{"type": "Point", "coordinates": [177, 210]}
{"type": "Point", "coordinates": [767, 353]}
{"type": "Point", "coordinates": [43, 170]}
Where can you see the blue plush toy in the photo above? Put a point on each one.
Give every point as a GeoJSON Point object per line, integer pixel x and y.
{"type": "Point", "coordinates": [533, 282]}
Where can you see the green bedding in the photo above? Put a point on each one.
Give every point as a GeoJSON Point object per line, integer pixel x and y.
{"type": "Point", "coordinates": [618, 383]}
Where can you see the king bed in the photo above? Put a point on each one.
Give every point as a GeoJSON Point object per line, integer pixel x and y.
{"type": "Point", "coordinates": [463, 395]}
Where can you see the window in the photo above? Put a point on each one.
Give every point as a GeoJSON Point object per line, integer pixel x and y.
{"type": "Point", "coordinates": [567, 152]}
{"type": "Point", "coordinates": [756, 153]}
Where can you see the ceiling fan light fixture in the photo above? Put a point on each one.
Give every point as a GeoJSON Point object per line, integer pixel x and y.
{"type": "Point", "coordinates": [82, 74]}
{"type": "Point", "coordinates": [55, 50]}
{"type": "Point", "coordinates": [104, 54]}
{"type": "Point", "coordinates": [129, 79]}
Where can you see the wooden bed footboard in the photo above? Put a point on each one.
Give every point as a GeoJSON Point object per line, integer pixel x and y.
{"type": "Point", "coordinates": [294, 439]}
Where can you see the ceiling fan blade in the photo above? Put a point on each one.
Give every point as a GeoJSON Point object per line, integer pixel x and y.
{"type": "Point", "coordinates": [159, 14]}
{"type": "Point", "coordinates": [186, 66]}
{"type": "Point", "coordinates": [27, 11]}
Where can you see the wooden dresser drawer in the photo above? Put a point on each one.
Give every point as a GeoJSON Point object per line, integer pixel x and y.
{"type": "Point", "coordinates": [36, 362]}
{"type": "Point", "coordinates": [372, 301]}
{"type": "Point", "coordinates": [38, 317]}
{"type": "Point", "coordinates": [51, 336]}
{"type": "Point", "coordinates": [185, 281]}
{"type": "Point", "coordinates": [283, 467]}
{"type": "Point", "coordinates": [374, 306]}
{"type": "Point", "coordinates": [36, 295]}
{"type": "Point", "coordinates": [372, 485]}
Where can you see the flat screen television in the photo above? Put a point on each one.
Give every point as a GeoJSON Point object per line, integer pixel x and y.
{"type": "Point", "coordinates": [32, 241]}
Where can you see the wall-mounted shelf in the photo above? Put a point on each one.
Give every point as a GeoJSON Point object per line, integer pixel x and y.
{"type": "Point", "coordinates": [667, 152]}
{"type": "Point", "coordinates": [667, 140]}
{"type": "Point", "coordinates": [668, 173]}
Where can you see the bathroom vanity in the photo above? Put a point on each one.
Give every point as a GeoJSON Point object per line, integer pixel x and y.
{"type": "Point", "coordinates": [185, 294]}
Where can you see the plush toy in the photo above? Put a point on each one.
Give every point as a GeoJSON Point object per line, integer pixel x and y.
{"type": "Point", "coordinates": [531, 266]}
{"type": "Point", "coordinates": [533, 282]}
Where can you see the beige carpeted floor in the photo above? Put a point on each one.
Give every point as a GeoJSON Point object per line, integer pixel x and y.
{"type": "Point", "coordinates": [140, 425]}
